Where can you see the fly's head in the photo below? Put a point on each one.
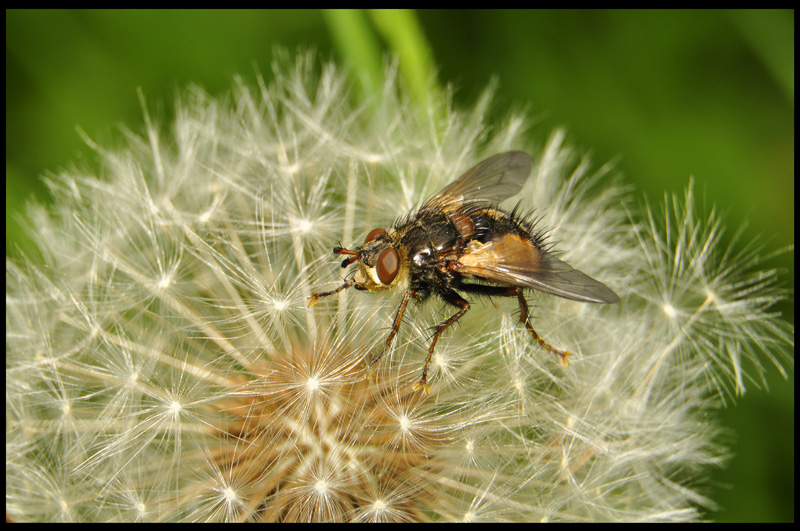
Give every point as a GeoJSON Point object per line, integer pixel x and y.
{"type": "Point", "coordinates": [381, 262]}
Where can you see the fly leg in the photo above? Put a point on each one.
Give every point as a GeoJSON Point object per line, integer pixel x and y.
{"type": "Point", "coordinates": [453, 298]}
{"type": "Point", "coordinates": [398, 318]}
{"type": "Point", "coordinates": [523, 318]}
{"type": "Point", "coordinates": [502, 291]}
{"type": "Point", "coordinates": [313, 299]}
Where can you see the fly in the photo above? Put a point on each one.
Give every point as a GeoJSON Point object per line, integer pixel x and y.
{"type": "Point", "coordinates": [460, 241]}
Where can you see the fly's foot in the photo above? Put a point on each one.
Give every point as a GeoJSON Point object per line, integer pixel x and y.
{"type": "Point", "coordinates": [422, 384]}
{"type": "Point", "coordinates": [563, 355]}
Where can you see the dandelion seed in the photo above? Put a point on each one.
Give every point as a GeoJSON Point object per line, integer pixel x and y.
{"type": "Point", "coordinates": [304, 225]}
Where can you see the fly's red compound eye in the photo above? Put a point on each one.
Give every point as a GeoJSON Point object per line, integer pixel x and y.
{"type": "Point", "coordinates": [373, 234]}
{"type": "Point", "coordinates": [388, 265]}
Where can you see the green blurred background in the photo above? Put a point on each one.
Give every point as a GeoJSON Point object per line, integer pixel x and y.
{"type": "Point", "coordinates": [668, 94]}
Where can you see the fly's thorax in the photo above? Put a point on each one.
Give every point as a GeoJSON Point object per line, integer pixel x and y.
{"type": "Point", "coordinates": [427, 236]}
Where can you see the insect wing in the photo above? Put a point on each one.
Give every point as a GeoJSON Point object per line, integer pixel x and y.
{"type": "Point", "coordinates": [514, 261]}
{"type": "Point", "coordinates": [491, 181]}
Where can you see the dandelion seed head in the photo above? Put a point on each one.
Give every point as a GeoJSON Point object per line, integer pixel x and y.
{"type": "Point", "coordinates": [163, 363]}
